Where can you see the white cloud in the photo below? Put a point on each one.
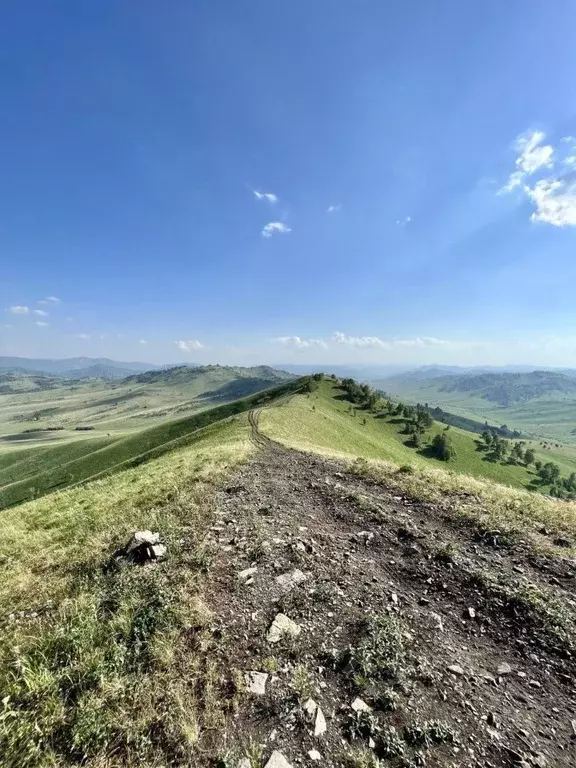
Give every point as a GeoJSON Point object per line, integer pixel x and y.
{"type": "Point", "coordinates": [18, 309]}
{"type": "Point", "coordinates": [334, 208]}
{"type": "Point", "coordinates": [188, 346]}
{"type": "Point", "coordinates": [403, 222]}
{"type": "Point", "coordinates": [142, 341]}
{"type": "Point", "coordinates": [275, 226]}
{"type": "Point", "coordinates": [50, 300]}
{"type": "Point", "coordinates": [555, 202]}
{"type": "Point", "coordinates": [364, 342]}
{"type": "Point", "coordinates": [532, 156]}
{"type": "Point", "coordinates": [82, 335]}
{"type": "Point", "coordinates": [553, 195]}
{"type": "Point", "coordinates": [40, 312]}
{"type": "Point", "coordinates": [270, 197]}
{"type": "Point", "coordinates": [295, 342]}
{"type": "Point", "coordinates": [41, 323]}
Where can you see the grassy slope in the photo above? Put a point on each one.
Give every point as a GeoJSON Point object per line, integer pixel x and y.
{"type": "Point", "coordinates": [120, 407]}
{"type": "Point", "coordinates": [70, 464]}
{"type": "Point", "coordinates": [111, 656]}
{"type": "Point", "coordinates": [322, 422]}
{"type": "Point", "coordinates": [544, 417]}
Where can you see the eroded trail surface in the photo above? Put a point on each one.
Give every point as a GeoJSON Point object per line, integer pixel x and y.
{"type": "Point", "coordinates": [395, 615]}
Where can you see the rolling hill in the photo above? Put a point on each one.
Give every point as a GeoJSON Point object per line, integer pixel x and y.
{"type": "Point", "coordinates": [32, 403]}
{"type": "Point", "coordinates": [315, 565]}
{"type": "Point", "coordinates": [539, 403]}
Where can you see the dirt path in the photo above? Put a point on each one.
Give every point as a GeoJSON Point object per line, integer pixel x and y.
{"type": "Point", "coordinates": [394, 609]}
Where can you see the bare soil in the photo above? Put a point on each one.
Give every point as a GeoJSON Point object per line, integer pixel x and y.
{"type": "Point", "coordinates": [461, 597]}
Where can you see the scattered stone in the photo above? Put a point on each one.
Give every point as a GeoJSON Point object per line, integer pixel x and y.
{"type": "Point", "coordinates": [290, 580]}
{"type": "Point", "coordinates": [573, 724]}
{"type": "Point", "coordinates": [470, 613]}
{"type": "Point", "coordinates": [504, 669]}
{"type": "Point", "coordinates": [360, 706]}
{"type": "Point", "coordinates": [320, 724]}
{"type": "Point", "coordinates": [365, 536]}
{"type": "Point", "coordinates": [438, 621]}
{"type": "Point", "coordinates": [143, 547]}
{"type": "Point", "coordinates": [313, 754]}
{"type": "Point", "coordinates": [256, 682]}
{"type": "Point", "coordinates": [540, 760]}
{"type": "Point", "coordinates": [456, 669]}
{"type": "Point", "coordinates": [394, 598]}
{"type": "Point", "coordinates": [282, 626]}
{"type": "Point", "coordinates": [535, 684]}
{"type": "Point", "coordinates": [244, 763]}
{"type": "Point", "coordinates": [247, 573]}
{"type": "Point", "coordinates": [277, 760]}
{"type": "Point", "coordinates": [310, 707]}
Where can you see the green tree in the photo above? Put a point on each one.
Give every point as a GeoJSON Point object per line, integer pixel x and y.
{"type": "Point", "coordinates": [529, 457]}
{"type": "Point", "coordinates": [443, 447]}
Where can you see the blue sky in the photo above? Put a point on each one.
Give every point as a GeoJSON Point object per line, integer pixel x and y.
{"type": "Point", "coordinates": [269, 182]}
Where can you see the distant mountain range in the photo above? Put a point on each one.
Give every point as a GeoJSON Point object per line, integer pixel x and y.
{"type": "Point", "coordinates": [75, 367]}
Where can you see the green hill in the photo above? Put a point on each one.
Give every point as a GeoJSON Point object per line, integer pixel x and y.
{"type": "Point", "coordinates": [35, 402]}
{"type": "Point", "coordinates": [540, 403]}
{"type": "Point", "coordinates": [323, 422]}
{"type": "Point", "coordinates": [35, 472]}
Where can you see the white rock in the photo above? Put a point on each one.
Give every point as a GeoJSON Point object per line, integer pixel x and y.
{"type": "Point", "coordinates": [246, 573]}
{"type": "Point", "coordinates": [256, 682]}
{"type": "Point", "coordinates": [313, 754]}
{"type": "Point", "coordinates": [277, 760]}
{"type": "Point", "coordinates": [290, 580]}
{"type": "Point", "coordinates": [320, 724]}
{"type": "Point", "coordinates": [310, 707]}
{"type": "Point", "coordinates": [159, 551]}
{"type": "Point", "coordinates": [244, 763]}
{"type": "Point", "coordinates": [282, 626]}
{"type": "Point", "coordinates": [504, 668]}
{"type": "Point", "coordinates": [456, 669]}
{"type": "Point", "coordinates": [142, 537]}
{"type": "Point", "coordinates": [437, 621]}
{"type": "Point", "coordinates": [360, 706]}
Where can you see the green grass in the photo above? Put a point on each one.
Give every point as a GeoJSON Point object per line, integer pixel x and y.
{"type": "Point", "coordinates": [322, 422]}
{"type": "Point", "coordinates": [550, 418]}
{"type": "Point", "coordinates": [123, 406]}
{"type": "Point", "coordinates": [62, 466]}
{"type": "Point", "coordinates": [114, 669]}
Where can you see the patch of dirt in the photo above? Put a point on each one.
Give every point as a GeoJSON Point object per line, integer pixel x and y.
{"type": "Point", "coordinates": [402, 606]}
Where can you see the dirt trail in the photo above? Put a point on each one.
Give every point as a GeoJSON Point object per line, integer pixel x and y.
{"type": "Point", "coordinates": [472, 681]}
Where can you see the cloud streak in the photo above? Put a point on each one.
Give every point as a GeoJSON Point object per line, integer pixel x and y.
{"type": "Point", "coordinates": [50, 300]}
{"type": "Point", "coordinates": [269, 197]}
{"type": "Point", "coordinates": [275, 227]}
{"type": "Point", "coordinates": [189, 345]}
{"type": "Point", "coordinates": [296, 342]}
{"type": "Point", "coordinates": [18, 309]}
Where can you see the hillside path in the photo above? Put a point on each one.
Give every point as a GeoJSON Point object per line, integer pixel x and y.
{"type": "Point", "coordinates": [502, 693]}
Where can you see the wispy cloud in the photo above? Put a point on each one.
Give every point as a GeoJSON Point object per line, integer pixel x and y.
{"type": "Point", "coordinates": [403, 222]}
{"type": "Point", "coordinates": [143, 341]}
{"type": "Point", "coordinates": [275, 227]}
{"type": "Point", "coordinates": [363, 342]}
{"type": "Point", "coordinates": [334, 208]}
{"type": "Point", "coordinates": [40, 312]}
{"type": "Point", "coordinates": [50, 300]}
{"type": "Point", "coordinates": [295, 342]}
{"type": "Point", "coordinates": [270, 197]}
{"type": "Point", "coordinates": [189, 345]}
{"type": "Point", "coordinates": [18, 309]}
{"type": "Point", "coordinates": [553, 194]}
{"type": "Point", "coordinates": [82, 335]}
{"type": "Point", "coordinates": [41, 323]}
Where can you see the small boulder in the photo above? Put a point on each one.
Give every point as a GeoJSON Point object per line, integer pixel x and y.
{"type": "Point", "coordinates": [313, 754]}
{"type": "Point", "coordinates": [256, 682]}
{"type": "Point", "coordinates": [358, 705]}
{"type": "Point", "coordinates": [504, 669]}
{"type": "Point", "coordinates": [281, 627]}
{"type": "Point", "coordinates": [320, 724]}
{"type": "Point", "coordinates": [456, 669]}
{"type": "Point", "coordinates": [143, 547]}
{"type": "Point", "coordinates": [288, 581]}
{"type": "Point", "coordinates": [277, 760]}
{"type": "Point", "coordinates": [247, 573]}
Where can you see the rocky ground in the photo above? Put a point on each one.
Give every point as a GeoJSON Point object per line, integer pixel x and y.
{"type": "Point", "coordinates": [356, 625]}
